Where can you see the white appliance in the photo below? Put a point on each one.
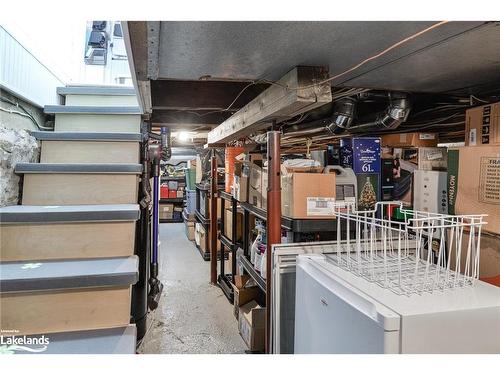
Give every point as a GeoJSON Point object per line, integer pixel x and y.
{"type": "Point", "coordinates": [430, 191]}
{"type": "Point", "coordinates": [339, 312]}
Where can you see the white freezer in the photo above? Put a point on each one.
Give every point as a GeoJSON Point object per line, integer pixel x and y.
{"type": "Point", "coordinates": [339, 312]}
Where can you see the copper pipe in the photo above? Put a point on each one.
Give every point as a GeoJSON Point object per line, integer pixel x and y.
{"type": "Point", "coordinates": [273, 218]}
{"type": "Point", "coordinates": [213, 222]}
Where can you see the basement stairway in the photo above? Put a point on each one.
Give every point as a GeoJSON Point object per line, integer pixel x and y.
{"type": "Point", "coordinates": [67, 260]}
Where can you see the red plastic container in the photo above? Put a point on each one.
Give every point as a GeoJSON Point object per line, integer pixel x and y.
{"type": "Point", "coordinates": [163, 191]}
{"type": "Point", "coordinates": [172, 193]}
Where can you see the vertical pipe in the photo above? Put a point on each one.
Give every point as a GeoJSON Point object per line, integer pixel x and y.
{"type": "Point", "coordinates": [273, 217]}
{"type": "Point", "coordinates": [213, 222]}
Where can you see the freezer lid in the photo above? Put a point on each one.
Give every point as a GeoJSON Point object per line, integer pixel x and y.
{"type": "Point", "coordinates": [386, 318]}
{"type": "Point", "coordinates": [68, 274]}
{"type": "Point", "coordinates": [21, 214]}
{"type": "Point", "coordinates": [480, 296]}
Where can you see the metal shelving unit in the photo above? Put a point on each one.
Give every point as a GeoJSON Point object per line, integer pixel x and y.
{"type": "Point", "coordinates": [204, 221]}
{"type": "Point", "coordinates": [261, 282]}
{"type": "Point", "coordinates": [178, 201]}
{"type": "Point", "coordinates": [297, 226]}
{"type": "Point", "coordinates": [172, 200]}
{"type": "Point", "coordinates": [224, 279]}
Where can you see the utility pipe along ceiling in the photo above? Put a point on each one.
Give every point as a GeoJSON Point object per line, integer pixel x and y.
{"type": "Point", "coordinates": [386, 76]}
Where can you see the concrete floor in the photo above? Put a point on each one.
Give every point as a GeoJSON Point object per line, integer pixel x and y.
{"type": "Point", "coordinates": [193, 316]}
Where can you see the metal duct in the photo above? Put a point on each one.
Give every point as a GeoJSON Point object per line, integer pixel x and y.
{"type": "Point", "coordinates": [343, 115]}
{"type": "Point", "coordinates": [394, 115]}
{"type": "Point", "coordinates": [166, 144]}
{"type": "Point", "coordinates": [344, 112]}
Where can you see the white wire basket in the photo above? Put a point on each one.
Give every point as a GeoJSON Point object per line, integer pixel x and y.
{"type": "Point", "coordinates": [422, 253]}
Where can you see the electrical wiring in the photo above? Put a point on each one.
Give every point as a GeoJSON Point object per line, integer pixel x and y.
{"type": "Point", "coordinates": [479, 100]}
{"type": "Point", "coordinates": [314, 85]}
{"type": "Point", "coordinates": [440, 109]}
{"type": "Point", "coordinates": [25, 114]}
{"type": "Point", "coordinates": [388, 49]}
{"type": "Point", "coordinates": [434, 121]}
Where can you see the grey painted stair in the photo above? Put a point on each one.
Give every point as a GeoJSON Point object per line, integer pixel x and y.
{"type": "Point", "coordinates": [96, 118]}
{"type": "Point", "coordinates": [67, 295]}
{"type": "Point", "coordinates": [80, 136]}
{"type": "Point", "coordinates": [96, 90]}
{"type": "Point", "coordinates": [74, 184]}
{"type": "Point", "coordinates": [93, 110]}
{"type": "Point", "coordinates": [66, 214]}
{"type": "Point", "coordinates": [79, 147]}
{"type": "Point", "coordinates": [98, 95]}
{"type": "Point", "coordinates": [120, 340]}
{"type": "Point", "coordinates": [38, 233]}
{"type": "Point", "coordinates": [72, 168]}
{"type": "Point", "coordinates": [68, 274]}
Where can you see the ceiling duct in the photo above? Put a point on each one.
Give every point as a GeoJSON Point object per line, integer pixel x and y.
{"type": "Point", "coordinates": [343, 115]}
{"type": "Point", "coordinates": [394, 115]}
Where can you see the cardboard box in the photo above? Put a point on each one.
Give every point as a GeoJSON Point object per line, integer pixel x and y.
{"type": "Point", "coordinates": [189, 228]}
{"type": "Point", "coordinates": [489, 260]}
{"type": "Point", "coordinates": [410, 140]}
{"type": "Point", "coordinates": [367, 167]}
{"type": "Point", "coordinates": [432, 158]}
{"type": "Point", "coordinates": [255, 186]}
{"type": "Point", "coordinates": [482, 125]}
{"type": "Point", "coordinates": [200, 239]}
{"type": "Point", "coordinates": [228, 225]}
{"type": "Point", "coordinates": [263, 188]}
{"type": "Point", "coordinates": [241, 280]}
{"type": "Point", "coordinates": [399, 165]}
{"type": "Point", "coordinates": [474, 183]}
{"type": "Point", "coordinates": [197, 233]}
{"type": "Point", "coordinates": [251, 324]}
{"type": "Point", "coordinates": [228, 263]}
{"type": "Point", "coordinates": [242, 296]}
{"type": "Point", "coordinates": [240, 184]}
{"type": "Point", "coordinates": [166, 211]}
{"type": "Point", "coordinates": [307, 195]}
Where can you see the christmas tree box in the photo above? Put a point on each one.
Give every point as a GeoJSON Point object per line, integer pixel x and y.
{"type": "Point", "coordinates": [367, 167]}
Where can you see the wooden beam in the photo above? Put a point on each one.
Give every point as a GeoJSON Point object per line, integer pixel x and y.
{"type": "Point", "coordinates": [279, 102]}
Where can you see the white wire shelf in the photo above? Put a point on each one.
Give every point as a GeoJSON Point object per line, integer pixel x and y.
{"type": "Point", "coordinates": [422, 253]}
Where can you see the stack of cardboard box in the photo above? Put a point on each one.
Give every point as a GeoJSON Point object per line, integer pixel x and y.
{"type": "Point", "coordinates": [305, 193]}
{"type": "Point", "coordinates": [414, 171]}
{"type": "Point", "coordinates": [474, 180]}
{"type": "Point", "coordinates": [248, 312]}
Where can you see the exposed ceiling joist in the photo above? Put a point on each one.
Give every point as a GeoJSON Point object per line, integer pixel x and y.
{"type": "Point", "coordinates": [295, 93]}
{"type": "Point", "coordinates": [203, 95]}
